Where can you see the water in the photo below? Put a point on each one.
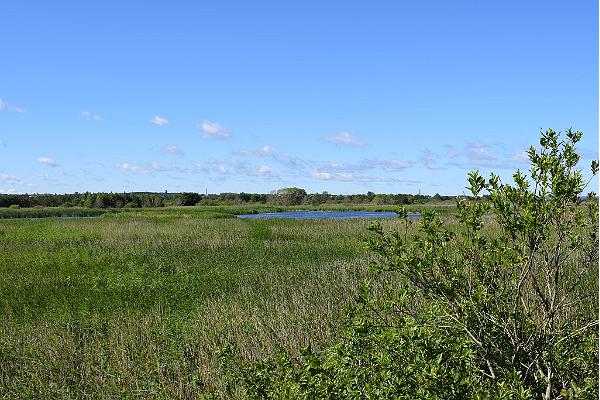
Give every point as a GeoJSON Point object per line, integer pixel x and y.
{"type": "Point", "coordinates": [326, 215]}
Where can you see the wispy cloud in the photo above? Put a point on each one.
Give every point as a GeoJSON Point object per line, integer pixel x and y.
{"type": "Point", "coordinates": [477, 152]}
{"type": "Point", "coordinates": [47, 161]}
{"type": "Point", "coordinates": [321, 175]}
{"type": "Point", "coordinates": [158, 120]}
{"type": "Point", "coordinates": [367, 164]}
{"type": "Point", "coordinates": [430, 160]}
{"type": "Point", "coordinates": [336, 176]}
{"type": "Point", "coordinates": [173, 150]}
{"type": "Point", "coordinates": [342, 166]}
{"type": "Point", "coordinates": [387, 165]}
{"type": "Point", "coordinates": [345, 138]}
{"type": "Point", "coordinates": [263, 170]}
{"type": "Point", "coordinates": [4, 106]}
{"type": "Point", "coordinates": [198, 167]}
{"type": "Point", "coordinates": [48, 177]}
{"type": "Point", "coordinates": [218, 167]}
{"type": "Point", "coordinates": [91, 116]}
{"type": "Point", "coordinates": [11, 179]}
{"type": "Point", "coordinates": [358, 178]}
{"type": "Point", "coordinates": [520, 156]}
{"type": "Point", "coordinates": [140, 168]}
{"type": "Point", "coordinates": [482, 155]}
{"type": "Point", "coordinates": [213, 129]}
{"type": "Point", "coordinates": [265, 151]}
{"type": "Point", "coordinates": [268, 151]}
{"type": "Point", "coordinates": [451, 152]}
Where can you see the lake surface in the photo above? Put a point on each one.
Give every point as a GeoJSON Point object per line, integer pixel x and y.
{"type": "Point", "coordinates": [326, 215]}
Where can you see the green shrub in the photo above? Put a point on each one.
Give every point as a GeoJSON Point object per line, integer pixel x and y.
{"type": "Point", "coordinates": [503, 307]}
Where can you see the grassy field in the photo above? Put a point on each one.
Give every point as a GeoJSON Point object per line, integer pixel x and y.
{"type": "Point", "coordinates": [223, 211]}
{"type": "Point", "coordinates": [137, 304]}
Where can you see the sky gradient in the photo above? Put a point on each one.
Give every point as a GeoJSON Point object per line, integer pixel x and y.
{"type": "Point", "coordinates": [337, 96]}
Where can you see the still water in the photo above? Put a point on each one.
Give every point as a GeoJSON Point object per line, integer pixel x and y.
{"type": "Point", "coordinates": [326, 214]}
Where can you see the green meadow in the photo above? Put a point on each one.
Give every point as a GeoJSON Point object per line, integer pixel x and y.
{"type": "Point", "coordinates": [138, 303]}
{"type": "Point", "coordinates": [150, 303]}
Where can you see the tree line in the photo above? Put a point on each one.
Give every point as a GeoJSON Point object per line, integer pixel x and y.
{"type": "Point", "coordinates": [284, 196]}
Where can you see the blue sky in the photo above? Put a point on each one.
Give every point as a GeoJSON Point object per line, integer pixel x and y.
{"type": "Point", "coordinates": [342, 96]}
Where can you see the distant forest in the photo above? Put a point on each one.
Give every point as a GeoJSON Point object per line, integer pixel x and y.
{"type": "Point", "coordinates": [285, 196]}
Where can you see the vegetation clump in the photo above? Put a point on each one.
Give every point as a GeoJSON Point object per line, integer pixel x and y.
{"type": "Point", "coordinates": [505, 306]}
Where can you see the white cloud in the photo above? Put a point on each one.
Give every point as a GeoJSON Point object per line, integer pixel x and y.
{"type": "Point", "coordinates": [336, 176]}
{"type": "Point", "coordinates": [48, 177]}
{"type": "Point", "coordinates": [220, 168]}
{"type": "Point", "coordinates": [47, 161]}
{"type": "Point", "coordinates": [342, 166]}
{"type": "Point", "coordinates": [450, 152]}
{"type": "Point", "coordinates": [262, 170]}
{"type": "Point", "coordinates": [8, 191]}
{"type": "Point", "coordinates": [140, 168]}
{"type": "Point", "coordinates": [10, 179]}
{"type": "Point", "coordinates": [321, 175]}
{"type": "Point", "coordinates": [430, 160]}
{"type": "Point", "coordinates": [345, 138]}
{"type": "Point", "coordinates": [215, 166]}
{"type": "Point", "coordinates": [252, 170]}
{"type": "Point", "coordinates": [213, 129]}
{"type": "Point", "coordinates": [481, 155]}
{"type": "Point", "coordinates": [172, 150]}
{"type": "Point", "coordinates": [91, 116]}
{"type": "Point", "coordinates": [160, 121]}
{"type": "Point", "coordinates": [4, 106]}
{"type": "Point", "coordinates": [357, 177]}
{"type": "Point", "coordinates": [387, 165]}
{"type": "Point", "coordinates": [271, 152]}
{"type": "Point", "coordinates": [198, 167]}
{"type": "Point", "coordinates": [479, 152]}
{"type": "Point", "coordinates": [369, 164]}
{"type": "Point", "coordinates": [520, 157]}
{"type": "Point", "coordinates": [267, 151]}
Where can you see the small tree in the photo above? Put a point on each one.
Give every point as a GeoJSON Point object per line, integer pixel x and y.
{"type": "Point", "coordinates": [523, 296]}
{"type": "Point", "coordinates": [289, 196]}
{"type": "Point", "coordinates": [189, 198]}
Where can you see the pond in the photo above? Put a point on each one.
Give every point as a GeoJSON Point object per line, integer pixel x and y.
{"type": "Point", "coordinates": [327, 215]}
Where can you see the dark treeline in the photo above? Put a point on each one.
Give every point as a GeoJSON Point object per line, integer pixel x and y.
{"type": "Point", "coordinates": [286, 196]}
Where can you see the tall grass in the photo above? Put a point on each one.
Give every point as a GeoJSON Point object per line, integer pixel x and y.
{"type": "Point", "coordinates": [49, 212]}
{"type": "Point", "coordinates": [137, 304]}
{"type": "Point", "coordinates": [215, 211]}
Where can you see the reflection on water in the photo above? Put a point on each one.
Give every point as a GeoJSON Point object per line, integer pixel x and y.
{"type": "Point", "coordinates": [327, 215]}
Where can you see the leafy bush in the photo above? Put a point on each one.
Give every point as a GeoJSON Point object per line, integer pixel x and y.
{"type": "Point", "coordinates": [503, 307]}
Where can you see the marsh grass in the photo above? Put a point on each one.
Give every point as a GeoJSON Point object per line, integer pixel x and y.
{"type": "Point", "coordinates": [47, 212]}
{"type": "Point", "coordinates": [137, 304]}
{"type": "Point", "coordinates": [216, 211]}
